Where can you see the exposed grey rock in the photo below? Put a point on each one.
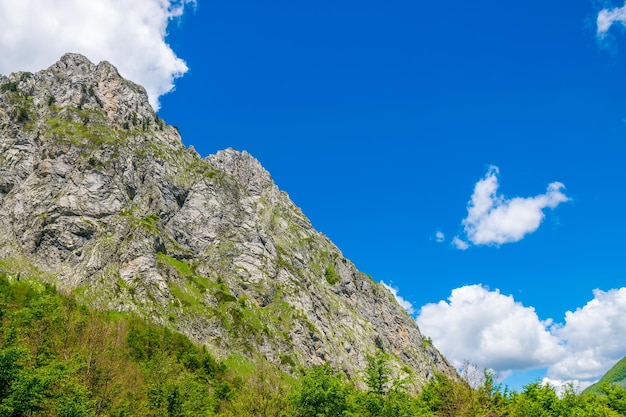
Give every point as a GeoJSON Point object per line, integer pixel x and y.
{"type": "Point", "coordinates": [98, 195]}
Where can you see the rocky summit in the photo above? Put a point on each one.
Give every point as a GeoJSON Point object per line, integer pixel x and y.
{"type": "Point", "coordinates": [100, 197]}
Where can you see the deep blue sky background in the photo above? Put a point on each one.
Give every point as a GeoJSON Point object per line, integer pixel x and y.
{"type": "Point", "coordinates": [379, 117]}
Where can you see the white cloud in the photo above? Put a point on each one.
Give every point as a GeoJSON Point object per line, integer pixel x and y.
{"type": "Point", "coordinates": [594, 335]}
{"type": "Point", "coordinates": [128, 33]}
{"type": "Point", "coordinates": [494, 331]}
{"type": "Point", "coordinates": [489, 329]}
{"type": "Point", "coordinates": [460, 243]}
{"type": "Point", "coordinates": [561, 386]}
{"type": "Point", "coordinates": [440, 237]}
{"type": "Point", "coordinates": [493, 219]}
{"type": "Point", "coordinates": [403, 303]}
{"type": "Point", "coordinates": [606, 18]}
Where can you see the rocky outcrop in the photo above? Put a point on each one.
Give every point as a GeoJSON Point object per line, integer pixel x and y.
{"type": "Point", "coordinates": [100, 196]}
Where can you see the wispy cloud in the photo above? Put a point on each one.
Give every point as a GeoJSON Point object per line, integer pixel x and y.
{"type": "Point", "coordinates": [493, 219]}
{"type": "Point", "coordinates": [129, 34]}
{"type": "Point", "coordinates": [459, 243]}
{"type": "Point", "coordinates": [494, 331]}
{"type": "Point", "coordinates": [606, 18]}
{"type": "Point", "coordinates": [403, 303]}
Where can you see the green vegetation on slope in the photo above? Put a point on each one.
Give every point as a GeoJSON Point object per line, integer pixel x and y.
{"type": "Point", "coordinates": [59, 358]}
{"type": "Point", "coordinates": [615, 375]}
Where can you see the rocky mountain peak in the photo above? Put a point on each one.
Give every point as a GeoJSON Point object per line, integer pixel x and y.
{"type": "Point", "coordinates": [76, 82]}
{"type": "Point", "coordinates": [101, 198]}
{"type": "Point", "coordinates": [73, 65]}
{"type": "Point", "coordinates": [245, 168]}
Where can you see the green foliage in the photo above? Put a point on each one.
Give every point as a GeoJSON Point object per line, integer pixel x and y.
{"type": "Point", "coordinates": [11, 86]}
{"type": "Point", "coordinates": [331, 276]}
{"type": "Point", "coordinates": [322, 392]}
{"type": "Point", "coordinates": [58, 358]}
{"type": "Point", "coordinates": [212, 368]}
{"type": "Point", "coordinates": [441, 396]}
{"type": "Point", "coordinates": [378, 373]}
{"type": "Point", "coordinates": [615, 397]}
{"type": "Point", "coordinates": [21, 114]}
{"type": "Point", "coordinates": [445, 397]}
{"type": "Point", "coordinates": [20, 102]}
{"type": "Point", "coordinates": [617, 374]}
{"type": "Point", "coordinates": [396, 403]}
{"type": "Point", "coordinates": [263, 393]}
{"type": "Point", "coordinates": [426, 342]}
{"type": "Point", "coordinates": [586, 405]}
{"type": "Point", "coordinates": [535, 400]}
{"type": "Point", "coordinates": [149, 223]}
{"type": "Point", "coordinates": [184, 269]}
{"type": "Point", "coordinates": [386, 396]}
{"type": "Point", "coordinates": [82, 127]}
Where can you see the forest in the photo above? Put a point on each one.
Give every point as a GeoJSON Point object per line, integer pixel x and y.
{"type": "Point", "coordinates": [61, 358]}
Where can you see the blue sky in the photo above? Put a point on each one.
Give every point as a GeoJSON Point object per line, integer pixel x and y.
{"type": "Point", "coordinates": [383, 120]}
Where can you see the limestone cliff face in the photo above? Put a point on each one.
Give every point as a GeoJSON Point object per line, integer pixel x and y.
{"type": "Point", "coordinates": [100, 196]}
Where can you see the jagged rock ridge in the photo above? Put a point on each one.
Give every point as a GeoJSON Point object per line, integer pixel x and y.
{"type": "Point", "coordinates": [100, 196]}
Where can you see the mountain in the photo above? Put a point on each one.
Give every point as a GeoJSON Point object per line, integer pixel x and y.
{"type": "Point", "coordinates": [615, 375]}
{"type": "Point", "coordinates": [100, 197]}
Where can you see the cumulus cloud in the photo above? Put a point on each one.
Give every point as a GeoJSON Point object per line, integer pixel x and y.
{"type": "Point", "coordinates": [594, 335]}
{"type": "Point", "coordinates": [440, 237]}
{"type": "Point", "coordinates": [494, 331]}
{"type": "Point", "coordinates": [403, 303]}
{"type": "Point", "coordinates": [128, 33]}
{"type": "Point", "coordinates": [490, 329]}
{"type": "Point", "coordinates": [493, 219]}
{"type": "Point", "coordinates": [607, 17]}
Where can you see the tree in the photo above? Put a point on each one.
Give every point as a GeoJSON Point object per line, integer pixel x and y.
{"type": "Point", "coordinates": [263, 393]}
{"type": "Point", "coordinates": [322, 392]}
{"type": "Point", "coordinates": [615, 397]}
{"type": "Point", "coordinates": [378, 373]}
{"type": "Point", "coordinates": [441, 396]}
{"type": "Point", "coordinates": [536, 400]}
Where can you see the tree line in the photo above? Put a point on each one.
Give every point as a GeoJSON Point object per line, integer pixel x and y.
{"type": "Point", "coordinates": [60, 358]}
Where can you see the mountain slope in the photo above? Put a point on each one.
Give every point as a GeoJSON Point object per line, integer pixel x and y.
{"type": "Point", "coordinates": [100, 196]}
{"type": "Point", "coordinates": [615, 375]}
